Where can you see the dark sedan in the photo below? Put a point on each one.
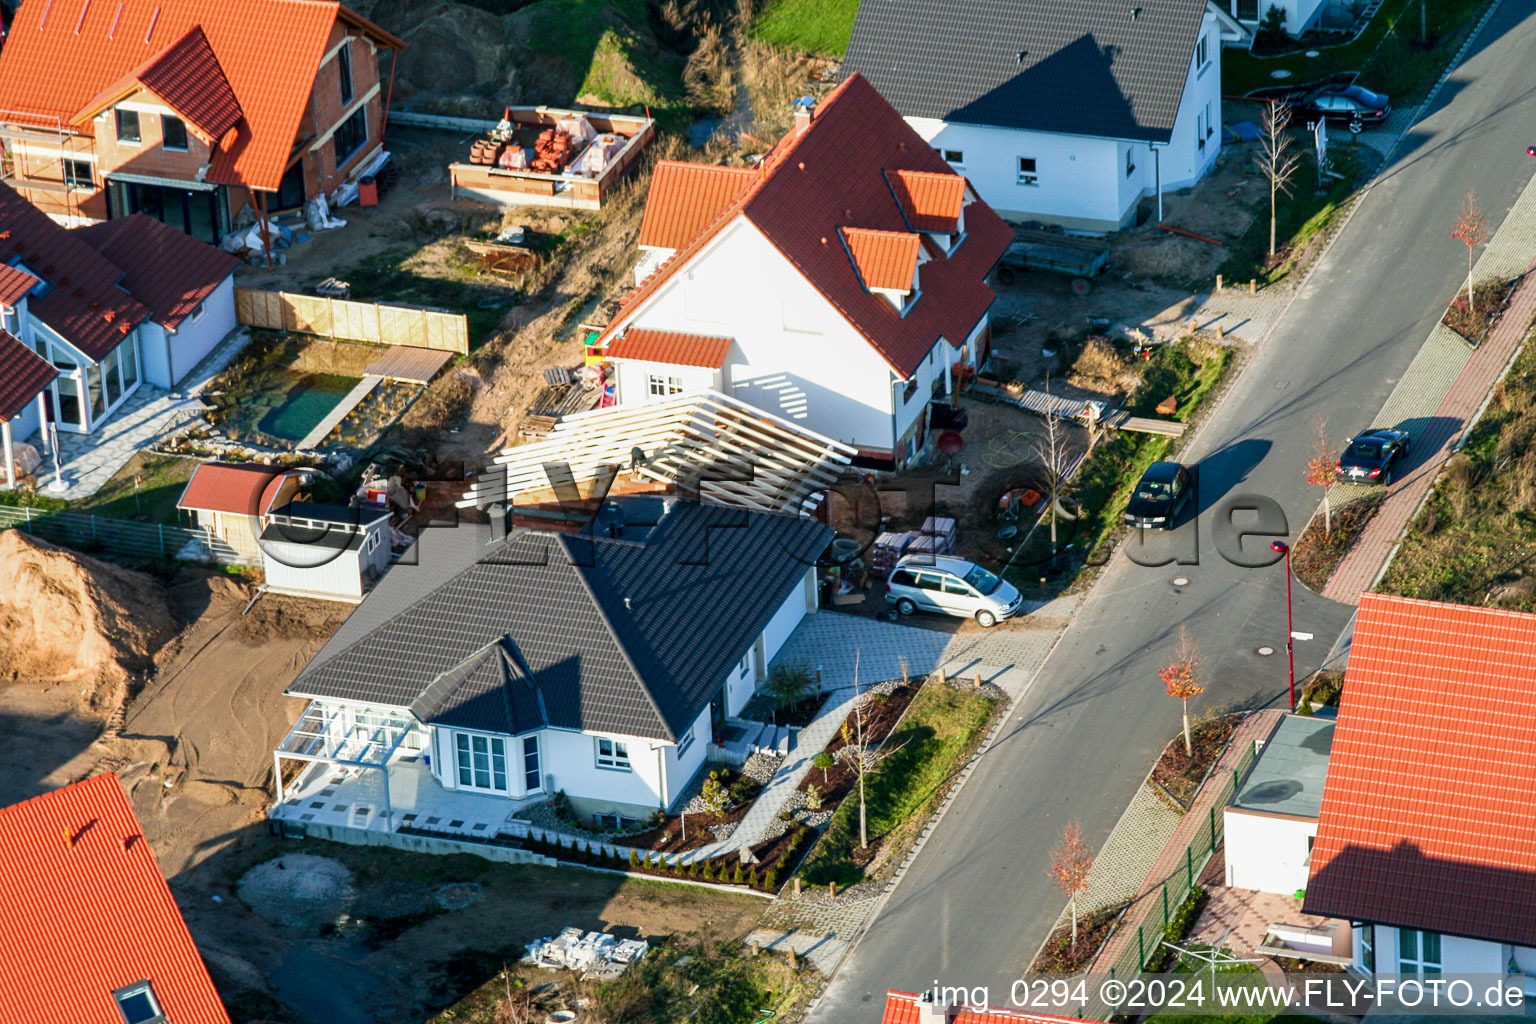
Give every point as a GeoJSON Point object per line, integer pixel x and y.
{"type": "Point", "coordinates": [1373, 456]}
{"type": "Point", "coordinates": [1352, 104]}
{"type": "Point", "coordinates": [1159, 497]}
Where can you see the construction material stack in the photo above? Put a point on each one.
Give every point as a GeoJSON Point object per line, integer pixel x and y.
{"type": "Point", "coordinates": [552, 151]}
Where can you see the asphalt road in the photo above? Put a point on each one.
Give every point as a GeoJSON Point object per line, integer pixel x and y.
{"type": "Point", "coordinates": [976, 904]}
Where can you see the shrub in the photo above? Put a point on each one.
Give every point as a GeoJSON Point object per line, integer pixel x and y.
{"type": "Point", "coordinates": [736, 875]}
{"type": "Point", "coordinates": [708, 873]}
{"type": "Point", "coordinates": [634, 860]}
{"type": "Point", "coordinates": [787, 685]}
{"type": "Point", "coordinates": [713, 795]}
{"type": "Point", "coordinates": [771, 880]}
{"type": "Point", "coordinates": [693, 869]}
{"type": "Point", "coordinates": [752, 877]}
{"type": "Point", "coordinates": [824, 761]}
{"type": "Point", "coordinates": [812, 798]}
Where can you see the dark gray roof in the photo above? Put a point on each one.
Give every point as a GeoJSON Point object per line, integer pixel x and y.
{"type": "Point", "coordinates": [1078, 67]}
{"type": "Point", "coordinates": [345, 515]}
{"type": "Point", "coordinates": [488, 691]}
{"type": "Point", "coordinates": [625, 635]}
{"type": "Point", "coordinates": [1288, 775]}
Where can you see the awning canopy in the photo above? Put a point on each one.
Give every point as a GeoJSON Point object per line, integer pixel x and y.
{"type": "Point", "coordinates": [703, 443]}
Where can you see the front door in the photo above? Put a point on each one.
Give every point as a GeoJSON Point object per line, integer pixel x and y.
{"type": "Point", "coordinates": [717, 713]}
{"type": "Point", "coordinates": [69, 402]}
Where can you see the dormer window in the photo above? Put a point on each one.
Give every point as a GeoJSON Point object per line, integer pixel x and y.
{"type": "Point", "coordinates": [38, 290]}
{"type": "Point", "coordinates": [139, 1005]}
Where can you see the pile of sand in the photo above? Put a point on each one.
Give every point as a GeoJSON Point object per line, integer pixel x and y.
{"type": "Point", "coordinates": [66, 617]}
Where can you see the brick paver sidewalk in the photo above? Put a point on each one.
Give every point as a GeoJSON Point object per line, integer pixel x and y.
{"type": "Point", "coordinates": [1171, 861]}
{"type": "Point", "coordinates": [1374, 547]}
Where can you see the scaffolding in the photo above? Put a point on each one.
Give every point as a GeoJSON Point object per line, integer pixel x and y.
{"type": "Point", "coordinates": [352, 739]}
{"type": "Point", "coordinates": [32, 158]}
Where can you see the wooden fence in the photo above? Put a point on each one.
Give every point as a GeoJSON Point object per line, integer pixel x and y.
{"type": "Point", "coordinates": [353, 321]}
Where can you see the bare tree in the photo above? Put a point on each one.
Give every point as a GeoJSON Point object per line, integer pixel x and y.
{"type": "Point", "coordinates": [1181, 677]}
{"type": "Point", "coordinates": [863, 757]}
{"type": "Point", "coordinates": [1320, 469]}
{"type": "Point", "coordinates": [1055, 457]}
{"type": "Point", "coordinates": [1277, 159]}
{"type": "Point", "coordinates": [1071, 867]}
{"type": "Point", "coordinates": [1471, 231]}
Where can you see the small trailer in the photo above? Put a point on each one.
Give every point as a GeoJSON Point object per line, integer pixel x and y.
{"type": "Point", "coordinates": [1052, 250]}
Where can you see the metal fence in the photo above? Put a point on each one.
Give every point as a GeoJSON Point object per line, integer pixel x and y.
{"type": "Point", "coordinates": [1153, 910]}
{"type": "Point", "coordinates": [123, 537]}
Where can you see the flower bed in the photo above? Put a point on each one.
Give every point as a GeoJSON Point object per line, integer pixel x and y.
{"type": "Point", "coordinates": [1180, 774]}
{"type": "Point", "coordinates": [1060, 956]}
{"type": "Point", "coordinates": [1491, 298]}
{"type": "Point", "coordinates": [737, 790]}
{"type": "Point", "coordinates": [1317, 553]}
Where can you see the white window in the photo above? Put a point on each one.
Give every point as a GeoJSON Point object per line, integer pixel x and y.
{"type": "Point", "coordinates": [661, 386]}
{"type": "Point", "coordinates": [138, 1004]}
{"type": "Point", "coordinates": [1368, 947]}
{"type": "Point", "coordinates": [1210, 125]}
{"type": "Point", "coordinates": [482, 762]}
{"type": "Point", "coordinates": [1027, 175]}
{"type": "Point", "coordinates": [614, 821]}
{"type": "Point", "coordinates": [1130, 160]}
{"type": "Point", "coordinates": [198, 310]}
{"type": "Point", "coordinates": [1418, 952]}
{"type": "Point", "coordinates": [1202, 53]}
{"type": "Point", "coordinates": [612, 754]}
{"type": "Point", "coordinates": [533, 781]}
{"type": "Point", "coordinates": [746, 663]}
{"type": "Point", "coordinates": [372, 542]}
{"type": "Point", "coordinates": [954, 156]}
{"type": "Point", "coordinates": [685, 741]}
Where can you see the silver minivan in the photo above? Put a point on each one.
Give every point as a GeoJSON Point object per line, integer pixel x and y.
{"type": "Point", "coordinates": [951, 586]}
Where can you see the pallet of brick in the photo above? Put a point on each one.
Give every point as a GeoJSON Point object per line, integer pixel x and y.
{"type": "Point", "coordinates": [888, 549]}
{"type": "Point", "coordinates": [945, 533]}
{"type": "Point", "coordinates": [925, 544]}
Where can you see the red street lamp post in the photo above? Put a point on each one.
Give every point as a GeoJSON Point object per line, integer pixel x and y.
{"type": "Point", "coordinates": [1281, 547]}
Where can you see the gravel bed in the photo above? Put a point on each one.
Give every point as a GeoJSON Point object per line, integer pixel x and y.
{"type": "Point", "coordinates": [815, 819]}
{"type": "Point", "coordinates": [761, 767]}
{"type": "Point", "coordinates": [723, 832]}
{"type": "Point", "coordinates": [778, 826]}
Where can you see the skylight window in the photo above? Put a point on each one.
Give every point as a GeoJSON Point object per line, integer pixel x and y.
{"type": "Point", "coordinates": [139, 1005]}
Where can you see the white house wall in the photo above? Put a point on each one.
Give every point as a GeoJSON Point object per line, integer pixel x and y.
{"type": "Point", "coordinates": [1457, 955]}
{"type": "Point", "coordinates": [794, 355]}
{"type": "Point", "coordinates": [1076, 174]}
{"type": "Point", "coordinates": [193, 341]}
{"type": "Point", "coordinates": [1266, 852]}
{"type": "Point", "coordinates": [571, 758]}
{"type": "Point", "coordinates": [634, 379]}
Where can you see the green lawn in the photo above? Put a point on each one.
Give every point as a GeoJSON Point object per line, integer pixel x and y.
{"type": "Point", "coordinates": [941, 727]}
{"type": "Point", "coordinates": [1187, 371]}
{"type": "Point", "coordinates": [813, 26]}
{"type": "Point", "coordinates": [162, 478]}
{"type": "Point", "coordinates": [1388, 54]}
{"type": "Point", "coordinates": [1474, 541]}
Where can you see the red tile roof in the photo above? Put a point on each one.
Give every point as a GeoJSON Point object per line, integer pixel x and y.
{"type": "Point", "coordinates": [187, 76]}
{"type": "Point", "coordinates": [686, 197]}
{"type": "Point", "coordinates": [671, 347]}
{"type": "Point", "coordinates": [57, 60]}
{"type": "Point", "coordinates": [932, 202]}
{"type": "Point", "coordinates": [238, 490]}
{"type": "Point", "coordinates": [909, 1008]}
{"type": "Point", "coordinates": [23, 373]}
{"type": "Point", "coordinates": [886, 259]}
{"type": "Point", "coordinates": [167, 270]}
{"type": "Point", "coordinates": [832, 175]}
{"type": "Point", "coordinates": [1427, 820]}
{"type": "Point", "coordinates": [84, 304]}
{"type": "Point", "coordinates": [14, 283]}
{"type": "Point", "coordinates": [88, 912]}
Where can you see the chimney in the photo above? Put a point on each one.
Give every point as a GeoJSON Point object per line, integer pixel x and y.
{"type": "Point", "coordinates": [935, 1012]}
{"type": "Point", "coordinates": [805, 113]}
{"type": "Point", "coordinates": [498, 514]}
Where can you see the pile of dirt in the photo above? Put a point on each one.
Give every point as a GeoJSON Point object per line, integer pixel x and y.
{"type": "Point", "coordinates": [67, 617]}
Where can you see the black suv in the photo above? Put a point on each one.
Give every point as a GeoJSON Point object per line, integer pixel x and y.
{"type": "Point", "coordinates": [1372, 457]}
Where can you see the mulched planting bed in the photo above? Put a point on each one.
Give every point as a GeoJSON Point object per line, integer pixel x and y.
{"type": "Point", "coordinates": [1317, 554]}
{"type": "Point", "coordinates": [1060, 956]}
{"type": "Point", "coordinates": [1180, 774]}
{"type": "Point", "coordinates": [884, 711]}
{"type": "Point", "coordinates": [667, 837]}
{"type": "Point", "coordinates": [1491, 296]}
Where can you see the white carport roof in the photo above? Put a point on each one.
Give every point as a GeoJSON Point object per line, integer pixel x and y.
{"type": "Point", "coordinates": [703, 443]}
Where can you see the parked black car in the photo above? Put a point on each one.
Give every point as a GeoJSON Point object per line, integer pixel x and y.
{"type": "Point", "coordinates": [1159, 497]}
{"type": "Point", "coordinates": [1372, 457]}
{"type": "Point", "coordinates": [1352, 104]}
